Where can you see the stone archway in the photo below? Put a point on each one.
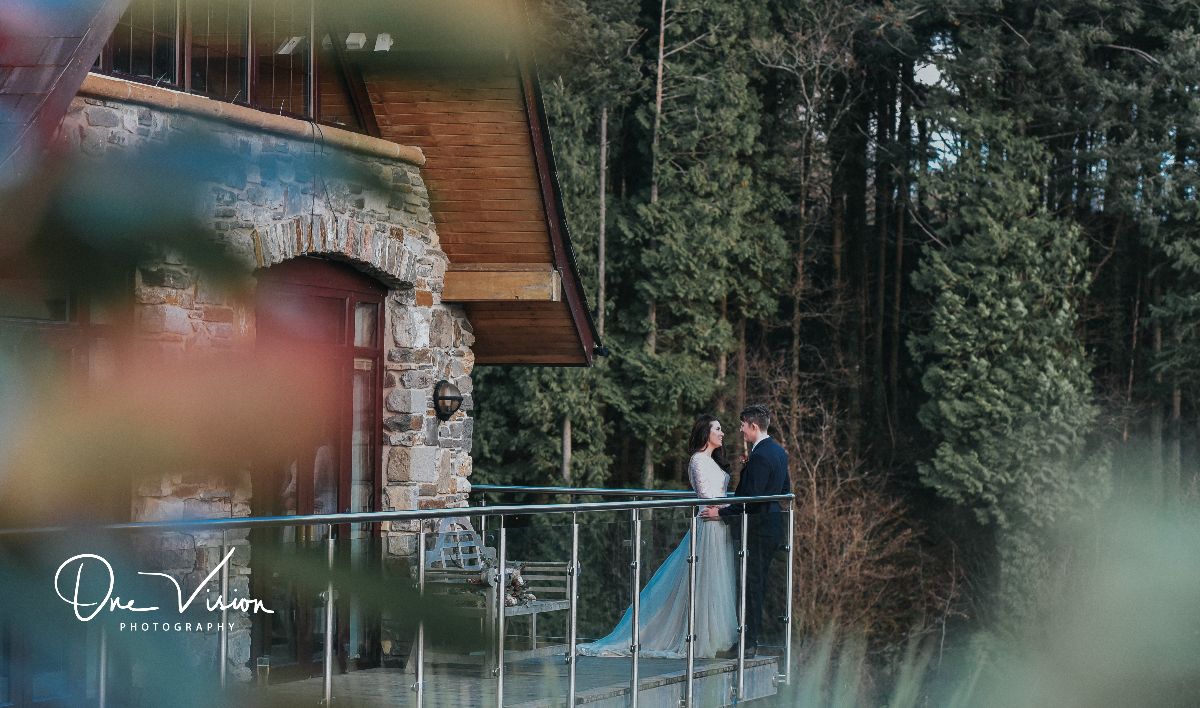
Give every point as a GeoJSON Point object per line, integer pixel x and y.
{"type": "Point", "coordinates": [385, 253]}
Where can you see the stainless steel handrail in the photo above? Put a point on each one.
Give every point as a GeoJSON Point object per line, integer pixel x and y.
{"type": "Point", "coordinates": [401, 515]}
{"type": "Point", "coordinates": [580, 491]}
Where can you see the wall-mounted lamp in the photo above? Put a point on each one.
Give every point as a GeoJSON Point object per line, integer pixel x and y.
{"type": "Point", "coordinates": [446, 399]}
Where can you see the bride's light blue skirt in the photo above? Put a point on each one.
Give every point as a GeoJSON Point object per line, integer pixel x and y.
{"type": "Point", "coordinates": [663, 612]}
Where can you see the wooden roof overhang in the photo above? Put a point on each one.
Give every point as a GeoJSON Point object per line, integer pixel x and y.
{"type": "Point", "coordinates": [475, 109]}
{"type": "Point", "coordinates": [456, 85]}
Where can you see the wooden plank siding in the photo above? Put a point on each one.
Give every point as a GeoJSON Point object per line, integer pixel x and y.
{"type": "Point", "coordinates": [486, 198]}
{"type": "Point", "coordinates": [480, 170]}
{"type": "Point", "coordinates": [334, 96]}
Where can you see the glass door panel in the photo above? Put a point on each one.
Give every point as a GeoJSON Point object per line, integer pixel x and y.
{"type": "Point", "coordinates": [363, 451]}
{"type": "Point", "coordinates": [286, 315]}
{"type": "Point", "coordinates": [366, 324]}
{"type": "Point", "coordinates": [362, 440]}
{"type": "Point", "coordinates": [325, 484]}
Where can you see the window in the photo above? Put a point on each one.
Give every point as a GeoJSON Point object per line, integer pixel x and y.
{"type": "Point", "coordinates": [36, 299]}
{"type": "Point", "coordinates": [45, 323]}
{"type": "Point", "coordinates": [281, 48]}
{"type": "Point", "coordinates": [253, 52]}
{"type": "Point", "coordinates": [336, 104]}
{"type": "Point", "coordinates": [144, 43]}
{"type": "Point", "coordinates": [217, 51]}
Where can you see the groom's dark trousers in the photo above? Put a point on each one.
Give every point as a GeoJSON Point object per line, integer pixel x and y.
{"type": "Point", "coordinates": [765, 473]}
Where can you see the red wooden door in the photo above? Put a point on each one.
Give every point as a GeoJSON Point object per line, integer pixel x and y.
{"type": "Point", "coordinates": [335, 314]}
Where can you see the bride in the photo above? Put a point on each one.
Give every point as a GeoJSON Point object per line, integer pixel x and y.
{"type": "Point", "coordinates": [663, 615]}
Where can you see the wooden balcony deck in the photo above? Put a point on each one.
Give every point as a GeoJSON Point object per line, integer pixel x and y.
{"type": "Point", "coordinates": [601, 682]}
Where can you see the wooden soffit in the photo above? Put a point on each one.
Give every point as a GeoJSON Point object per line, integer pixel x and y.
{"type": "Point", "coordinates": [494, 195]}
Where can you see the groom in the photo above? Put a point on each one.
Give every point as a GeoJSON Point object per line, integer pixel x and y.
{"type": "Point", "coordinates": [765, 473]}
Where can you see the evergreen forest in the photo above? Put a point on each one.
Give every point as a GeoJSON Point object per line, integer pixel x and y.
{"type": "Point", "coordinates": [953, 245]}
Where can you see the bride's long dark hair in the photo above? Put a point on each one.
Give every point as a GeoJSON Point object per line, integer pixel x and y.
{"type": "Point", "coordinates": [699, 438]}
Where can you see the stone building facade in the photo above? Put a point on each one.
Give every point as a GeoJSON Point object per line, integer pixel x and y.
{"type": "Point", "coordinates": [450, 226]}
{"type": "Point", "coordinates": [266, 215]}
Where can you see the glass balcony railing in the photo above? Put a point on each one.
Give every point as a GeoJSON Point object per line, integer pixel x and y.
{"type": "Point", "coordinates": [481, 605]}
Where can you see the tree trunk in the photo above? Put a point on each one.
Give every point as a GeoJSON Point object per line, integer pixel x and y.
{"type": "Point", "coordinates": [1174, 469]}
{"type": "Point", "coordinates": [798, 287]}
{"type": "Point", "coordinates": [858, 269]}
{"type": "Point", "coordinates": [839, 295]}
{"type": "Point", "coordinates": [901, 219]}
{"type": "Point", "coordinates": [603, 207]}
{"type": "Point", "coordinates": [658, 101]}
{"type": "Point", "coordinates": [1134, 330]}
{"type": "Point", "coordinates": [723, 363]}
{"type": "Point", "coordinates": [884, 118]}
{"type": "Point", "coordinates": [648, 466]}
{"type": "Point", "coordinates": [652, 334]}
{"type": "Point", "coordinates": [566, 450]}
{"type": "Point", "coordinates": [1156, 411]}
{"type": "Point", "coordinates": [651, 346]}
{"type": "Point", "coordinates": [740, 400]}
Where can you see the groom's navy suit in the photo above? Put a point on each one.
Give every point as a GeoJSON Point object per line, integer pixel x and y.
{"type": "Point", "coordinates": [765, 473]}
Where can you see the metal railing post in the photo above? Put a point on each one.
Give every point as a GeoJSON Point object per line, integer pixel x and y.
{"type": "Point", "coordinates": [224, 633]}
{"type": "Point", "coordinates": [572, 629]}
{"type": "Point", "coordinates": [741, 652]}
{"type": "Point", "coordinates": [327, 674]}
{"type": "Point", "coordinates": [688, 697]}
{"type": "Point", "coordinates": [635, 583]}
{"type": "Point", "coordinates": [483, 520]}
{"type": "Point", "coordinates": [787, 616]}
{"type": "Point", "coordinates": [502, 558]}
{"type": "Point", "coordinates": [419, 657]}
{"type": "Point", "coordinates": [102, 689]}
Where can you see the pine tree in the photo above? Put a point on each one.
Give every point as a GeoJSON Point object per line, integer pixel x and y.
{"type": "Point", "coordinates": [1010, 400]}
{"type": "Point", "coordinates": [697, 228]}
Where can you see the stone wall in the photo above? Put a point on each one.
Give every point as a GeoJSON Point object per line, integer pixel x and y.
{"type": "Point", "coordinates": [278, 207]}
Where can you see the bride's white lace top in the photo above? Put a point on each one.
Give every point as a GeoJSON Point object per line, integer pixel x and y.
{"type": "Point", "coordinates": [708, 479]}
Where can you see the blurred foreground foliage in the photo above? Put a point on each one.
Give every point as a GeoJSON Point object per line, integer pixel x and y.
{"type": "Point", "coordinates": [76, 445]}
{"type": "Point", "coordinates": [1124, 630]}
